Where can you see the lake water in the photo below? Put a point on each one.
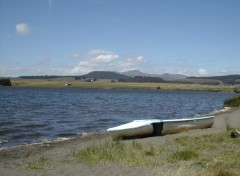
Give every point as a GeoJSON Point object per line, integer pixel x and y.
{"type": "Point", "coordinates": [32, 115]}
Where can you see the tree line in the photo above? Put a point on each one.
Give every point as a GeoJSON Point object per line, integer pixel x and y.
{"type": "Point", "coordinates": [5, 82]}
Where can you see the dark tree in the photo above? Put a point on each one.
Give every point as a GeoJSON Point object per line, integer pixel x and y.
{"type": "Point", "coordinates": [5, 82]}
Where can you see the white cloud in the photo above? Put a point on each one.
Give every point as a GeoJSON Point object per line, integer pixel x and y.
{"type": "Point", "coordinates": [23, 29]}
{"type": "Point", "coordinates": [90, 54]}
{"type": "Point", "coordinates": [127, 65]}
{"type": "Point", "coordinates": [141, 59]}
{"type": "Point", "coordinates": [105, 58]}
{"type": "Point", "coordinates": [202, 72]}
{"type": "Point", "coordinates": [95, 52]}
{"type": "Point", "coordinates": [82, 68]}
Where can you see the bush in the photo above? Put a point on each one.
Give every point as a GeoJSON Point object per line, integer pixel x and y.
{"type": "Point", "coordinates": [233, 102]}
{"type": "Point", "coordinates": [5, 82]}
{"type": "Point", "coordinates": [237, 89]}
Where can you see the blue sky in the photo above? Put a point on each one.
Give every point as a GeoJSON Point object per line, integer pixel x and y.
{"type": "Point", "coordinates": [74, 37]}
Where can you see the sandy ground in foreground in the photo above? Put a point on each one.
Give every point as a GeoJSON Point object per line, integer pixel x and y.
{"type": "Point", "coordinates": [13, 161]}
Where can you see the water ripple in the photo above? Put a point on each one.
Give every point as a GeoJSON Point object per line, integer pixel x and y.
{"type": "Point", "coordinates": [29, 115]}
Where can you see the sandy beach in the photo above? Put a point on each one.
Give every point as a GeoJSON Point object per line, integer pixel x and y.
{"type": "Point", "coordinates": [15, 161]}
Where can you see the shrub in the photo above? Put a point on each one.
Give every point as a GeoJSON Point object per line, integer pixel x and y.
{"type": "Point", "coordinates": [5, 82]}
{"type": "Point", "coordinates": [237, 89]}
{"type": "Point", "coordinates": [233, 102]}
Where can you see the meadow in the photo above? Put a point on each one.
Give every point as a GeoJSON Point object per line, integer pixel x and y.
{"type": "Point", "coordinates": [108, 84]}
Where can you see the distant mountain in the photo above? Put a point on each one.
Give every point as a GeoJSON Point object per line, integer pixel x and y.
{"type": "Point", "coordinates": [133, 73]}
{"type": "Point", "coordinates": [138, 76]}
{"type": "Point", "coordinates": [105, 75]}
{"type": "Point", "coordinates": [145, 79]}
{"type": "Point", "coordinates": [168, 76]}
{"type": "Point", "coordinates": [165, 76]}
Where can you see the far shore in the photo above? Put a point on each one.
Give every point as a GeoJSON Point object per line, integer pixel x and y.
{"type": "Point", "coordinates": [108, 84]}
{"type": "Point", "coordinates": [58, 155]}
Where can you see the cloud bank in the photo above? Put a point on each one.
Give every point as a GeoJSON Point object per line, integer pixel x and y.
{"type": "Point", "coordinates": [92, 60]}
{"type": "Point", "coordinates": [103, 60]}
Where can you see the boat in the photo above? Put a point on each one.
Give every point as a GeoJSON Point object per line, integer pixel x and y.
{"type": "Point", "coordinates": [179, 125]}
{"type": "Point", "coordinates": [159, 127]}
{"type": "Point", "coordinates": [136, 128]}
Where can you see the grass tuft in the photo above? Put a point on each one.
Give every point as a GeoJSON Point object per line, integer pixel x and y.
{"type": "Point", "coordinates": [186, 154]}
{"type": "Point", "coordinates": [131, 154]}
{"type": "Point", "coordinates": [41, 163]}
{"type": "Point", "coordinates": [219, 169]}
{"type": "Point", "coordinates": [152, 151]}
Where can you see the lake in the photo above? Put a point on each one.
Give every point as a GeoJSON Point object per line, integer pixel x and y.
{"type": "Point", "coordinates": [29, 115]}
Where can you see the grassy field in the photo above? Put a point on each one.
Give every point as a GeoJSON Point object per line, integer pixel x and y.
{"type": "Point", "coordinates": [106, 84]}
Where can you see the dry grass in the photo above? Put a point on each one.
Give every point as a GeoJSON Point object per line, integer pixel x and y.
{"type": "Point", "coordinates": [118, 152]}
{"type": "Point", "coordinates": [105, 84]}
{"type": "Point", "coordinates": [207, 155]}
{"type": "Point", "coordinates": [41, 163]}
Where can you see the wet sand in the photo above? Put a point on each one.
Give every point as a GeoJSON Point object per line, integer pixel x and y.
{"type": "Point", "coordinates": [14, 160]}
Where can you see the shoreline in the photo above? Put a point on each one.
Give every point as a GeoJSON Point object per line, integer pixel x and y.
{"type": "Point", "coordinates": [82, 135]}
{"type": "Point", "coordinates": [14, 160]}
{"type": "Point", "coordinates": [58, 140]}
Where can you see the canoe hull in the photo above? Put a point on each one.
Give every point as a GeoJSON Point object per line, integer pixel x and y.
{"type": "Point", "coordinates": [157, 127]}
{"type": "Point", "coordinates": [170, 127]}
{"type": "Point", "coordinates": [131, 133]}
{"type": "Point", "coordinates": [136, 128]}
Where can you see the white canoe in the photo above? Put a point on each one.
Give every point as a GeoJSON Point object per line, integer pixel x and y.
{"type": "Point", "coordinates": [158, 127]}
{"type": "Point", "coordinates": [179, 125]}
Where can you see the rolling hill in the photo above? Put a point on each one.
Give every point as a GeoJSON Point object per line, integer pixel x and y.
{"type": "Point", "coordinates": [228, 79]}
{"type": "Point", "coordinates": [165, 76]}
{"type": "Point", "coordinates": [138, 76]}
{"type": "Point", "coordinates": [105, 75]}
